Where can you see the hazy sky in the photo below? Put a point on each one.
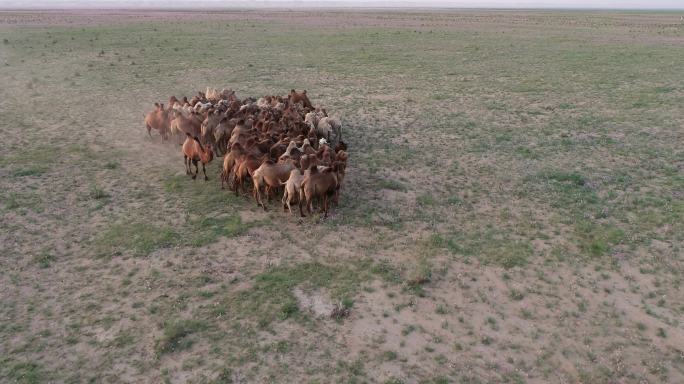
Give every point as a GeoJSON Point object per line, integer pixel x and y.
{"type": "Point", "coordinates": [168, 4]}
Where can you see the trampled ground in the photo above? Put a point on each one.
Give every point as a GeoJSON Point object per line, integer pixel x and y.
{"type": "Point", "coordinates": [512, 211]}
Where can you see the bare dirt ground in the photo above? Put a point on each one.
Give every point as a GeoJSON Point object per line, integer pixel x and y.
{"type": "Point", "coordinates": [512, 211]}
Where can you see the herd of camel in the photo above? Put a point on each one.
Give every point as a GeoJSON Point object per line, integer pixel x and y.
{"type": "Point", "coordinates": [276, 142]}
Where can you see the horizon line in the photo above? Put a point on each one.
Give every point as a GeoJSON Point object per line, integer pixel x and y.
{"type": "Point", "coordinates": [333, 7]}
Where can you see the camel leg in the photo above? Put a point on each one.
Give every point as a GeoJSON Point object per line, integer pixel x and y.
{"type": "Point", "coordinates": [189, 171]}
{"type": "Point", "coordinates": [284, 199]}
{"type": "Point", "coordinates": [243, 189]}
{"type": "Point", "coordinates": [300, 196]}
{"type": "Point", "coordinates": [257, 195]}
{"type": "Point", "coordinates": [238, 183]}
{"type": "Point", "coordinates": [286, 202]}
{"type": "Point", "coordinates": [257, 189]}
{"type": "Point", "coordinates": [260, 198]}
{"type": "Point", "coordinates": [301, 211]}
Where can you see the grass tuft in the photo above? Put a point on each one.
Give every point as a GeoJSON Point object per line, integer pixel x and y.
{"type": "Point", "coordinates": [97, 193]}
{"type": "Point", "coordinates": [139, 238]}
{"type": "Point", "coordinates": [177, 335]}
{"type": "Point", "coordinates": [207, 229]}
{"type": "Point", "coordinates": [25, 373]}
{"type": "Point", "coordinates": [29, 171]}
{"type": "Point", "coordinates": [44, 260]}
{"type": "Point", "coordinates": [596, 240]}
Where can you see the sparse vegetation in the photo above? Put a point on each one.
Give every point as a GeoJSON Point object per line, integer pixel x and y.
{"type": "Point", "coordinates": [25, 373]}
{"type": "Point", "coordinates": [45, 259]}
{"type": "Point", "coordinates": [97, 193]}
{"type": "Point", "coordinates": [139, 238]}
{"type": "Point", "coordinates": [512, 211]}
{"type": "Point", "coordinates": [177, 335]}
